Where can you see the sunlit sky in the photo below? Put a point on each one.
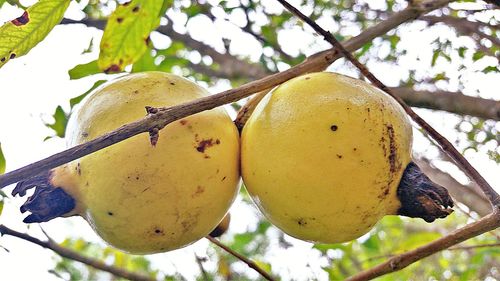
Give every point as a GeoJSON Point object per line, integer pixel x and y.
{"type": "Point", "coordinates": [32, 86]}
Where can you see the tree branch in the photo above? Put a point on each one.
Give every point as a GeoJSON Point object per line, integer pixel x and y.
{"type": "Point", "coordinates": [73, 255]}
{"type": "Point", "coordinates": [464, 26]}
{"type": "Point", "coordinates": [446, 146]}
{"type": "Point", "coordinates": [398, 262]}
{"type": "Point", "coordinates": [166, 115]}
{"type": "Point", "coordinates": [453, 102]}
{"type": "Point", "coordinates": [242, 258]}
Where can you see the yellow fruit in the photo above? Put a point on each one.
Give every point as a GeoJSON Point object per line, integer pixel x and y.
{"type": "Point", "coordinates": [323, 155]}
{"type": "Point", "coordinates": [145, 198]}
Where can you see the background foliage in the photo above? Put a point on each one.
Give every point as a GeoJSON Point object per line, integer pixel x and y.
{"type": "Point", "coordinates": [463, 43]}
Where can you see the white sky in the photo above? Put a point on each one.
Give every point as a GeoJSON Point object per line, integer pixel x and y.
{"type": "Point", "coordinates": [34, 85]}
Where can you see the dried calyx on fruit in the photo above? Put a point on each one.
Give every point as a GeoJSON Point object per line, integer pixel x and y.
{"type": "Point", "coordinates": [325, 156]}
{"type": "Point", "coordinates": [143, 195]}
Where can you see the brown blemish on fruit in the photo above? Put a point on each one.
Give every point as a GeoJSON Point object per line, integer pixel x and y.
{"type": "Point", "coordinates": [2, 59]}
{"type": "Point", "coordinates": [110, 213]}
{"type": "Point", "coordinates": [224, 178]}
{"type": "Point", "coordinates": [334, 128]}
{"type": "Point", "coordinates": [12, 56]}
{"type": "Point", "coordinates": [112, 69]}
{"type": "Point", "coordinates": [354, 149]}
{"type": "Point", "coordinates": [145, 189]}
{"type": "Point", "coordinates": [136, 9]}
{"type": "Point", "coordinates": [137, 177]}
{"type": "Point", "coordinates": [307, 77]}
{"type": "Point", "coordinates": [85, 134]}
{"type": "Point", "coordinates": [172, 83]}
{"type": "Point", "coordinates": [22, 20]}
{"type": "Point", "coordinates": [393, 161]}
{"type": "Point", "coordinates": [217, 141]}
{"type": "Point", "coordinates": [339, 156]}
{"type": "Point", "coordinates": [78, 169]}
{"type": "Point", "coordinates": [183, 122]}
{"type": "Point", "coordinates": [127, 3]}
{"type": "Point", "coordinates": [136, 92]}
{"type": "Point", "coordinates": [204, 144]}
{"type": "Point", "coordinates": [199, 190]}
{"type": "Point", "coordinates": [147, 40]}
{"type": "Point", "coordinates": [119, 20]}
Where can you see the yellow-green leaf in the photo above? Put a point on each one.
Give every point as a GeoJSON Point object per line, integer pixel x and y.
{"type": "Point", "coordinates": [19, 35]}
{"type": "Point", "coordinates": [126, 36]}
{"type": "Point", "coordinates": [2, 161]}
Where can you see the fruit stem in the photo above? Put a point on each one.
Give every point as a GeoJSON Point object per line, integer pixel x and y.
{"type": "Point", "coordinates": [47, 202]}
{"type": "Point", "coordinates": [422, 198]}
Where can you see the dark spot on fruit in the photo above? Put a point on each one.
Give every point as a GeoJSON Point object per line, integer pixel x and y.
{"type": "Point", "coordinates": [172, 83]}
{"type": "Point", "coordinates": [2, 59]}
{"type": "Point", "coordinates": [159, 231]}
{"type": "Point", "coordinates": [119, 20]}
{"type": "Point", "coordinates": [301, 222]}
{"type": "Point", "coordinates": [136, 9]}
{"type": "Point", "coordinates": [307, 78]}
{"type": "Point", "coordinates": [206, 156]}
{"type": "Point", "coordinates": [112, 69]}
{"type": "Point", "coordinates": [137, 178]}
{"type": "Point", "coordinates": [136, 91]}
{"type": "Point", "coordinates": [78, 169]}
{"type": "Point", "coordinates": [127, 3]}
{"type": "Point", "coordinates": [147, 40]}
{"type": "Point", "coordinates": [146, 189]}
{"type": "Point", "coordinates": [217, 141]}
{"type": "Point", "coordinates": [22, 20]}
{"type": "Point", "coordinates": [85, 134]}
{"type": "Point", "coordinates": [334, 128]}
{"type": "Point", "coordinates": [183, 122]}
{"type": "Point", "coordinates": [87, 184]}
{"type": "Point", "coordinates": [110, 213]}
{"type": "Point", "coordinates": [204, 144]}
{"type": "Point", "coordinates": [368, 109]}
{"type": "Point", "coordinates": [354, 149]}
{"type": "Point", "coordinates": [12, 56]}
{"type": "Point", "coordinates": [223, 178]}
{"type": "Point", "coordinates": [339, 156]}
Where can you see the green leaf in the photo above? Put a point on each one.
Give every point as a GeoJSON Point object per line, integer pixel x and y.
{"type": "Point", "coordinates": [435, 55]}
{"type": "Point", "coordinates": [477, 56]}
{"type": "Point", "coordinates": [76, 100]}
{"type": "Point", "coordinates": [59, 125]}
{"type": "Point", "coordinates": [126, 36]}
{"type": "Point", "coordinates": [18, 36]}
{"type": "Point", "coordinates": [2, 161]}
{"type": "Point", "coordinates": [84, 70]}
{"type": "Point", "coordinates": [2, 196]}
{"type": "Point", "coordinates": [490, 68]}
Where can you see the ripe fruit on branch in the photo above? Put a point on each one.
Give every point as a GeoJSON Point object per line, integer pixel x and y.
{"type": "Point", "coordinates": [144, 195]}
{"type": "Point", "coordinates": [325, 156]}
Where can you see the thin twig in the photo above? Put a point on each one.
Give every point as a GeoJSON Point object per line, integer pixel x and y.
{"type": "Point", "coordinates": [490, 193]}
{"type": "Point", "coordinates": [204, 273]}
{"type": "Point", "coordinates": [73, 255]}
{"type": "Point", "coordinates": [315, 62]}
{"type": "Point", "coordinates": [242, 258]}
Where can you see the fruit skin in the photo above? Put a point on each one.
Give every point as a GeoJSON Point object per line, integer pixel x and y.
{"type": "Point", "coordinates": [142, 198]}
{"type": "Point", "coordinates": [323, 154]}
